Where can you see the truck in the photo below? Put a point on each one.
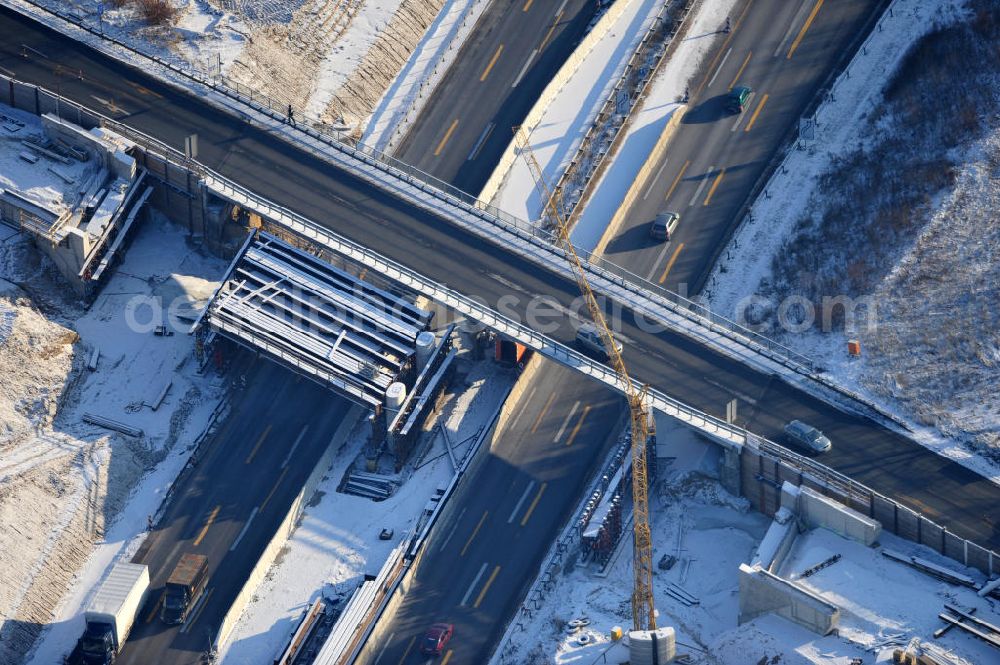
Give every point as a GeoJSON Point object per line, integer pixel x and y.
{"type": "Point", "coordinates": [112, 613]}
{"type": "Point", "coordinates": [184, 586]}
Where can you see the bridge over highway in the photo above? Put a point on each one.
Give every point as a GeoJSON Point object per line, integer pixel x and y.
{"type": "Point", "coordinates": [368, 215]}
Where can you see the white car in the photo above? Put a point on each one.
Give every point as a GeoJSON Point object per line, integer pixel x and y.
{"type": "Point", "coordinates": [589, 339]}
{"type": "Point", "coordinates": [808, 437]}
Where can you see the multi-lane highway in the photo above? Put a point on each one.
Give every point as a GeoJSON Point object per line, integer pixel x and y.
{"type": "Point", "coordinates": [515, 50]}
{"type": "Point", "coordinates": [948, 493]}
{"type": "Point", "coordinates": [230, 504]}
{"type": "Point", "coordinates": [782, 51]}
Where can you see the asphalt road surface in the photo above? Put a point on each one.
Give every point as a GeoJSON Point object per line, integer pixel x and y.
{"type": "Point", "coordinates": [229, 506]}
{"type": "Point", "coordinates": [946, 492]}
{"type": "Point", "coordinates": [514, 51]}
{"type": "Point", "coordinates": [716, 156]}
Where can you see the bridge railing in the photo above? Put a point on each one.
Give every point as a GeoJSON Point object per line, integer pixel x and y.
{"type": "Point", "coordinates": [501, 220]}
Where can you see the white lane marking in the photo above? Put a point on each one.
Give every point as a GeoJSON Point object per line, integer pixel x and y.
{"type": "Point", "coordinates": [243, 531]}
{"type": "Point", "coordinates": [453, 527]}
{"type": "Point", "coordinates": [719, 68]}
{"type": "Point", "coordinates": [479, 143]}
{"type": "Point", "coordinates": [705, 179]}
{"type": "Point", "coordinates": [295, 445]}
{"type": "Point", "coordinates": [561, 7]}
{"type": "Point", "coordinates": [791, 26]}
{"type": "Point", "coordinates": [527, 63]}
{"type": "Point", "coordinates": [656, 178]}
{"type": "Point", "coordinates": [742, 114]}
{"type": "Point", "coordinates": [566, 422]}
{"type": "Point", "coordinates": [520, 502]}
{"type": "Point", "coordinates": [472, 586]}
{"type": "Point", "coordinates": [659, 261]}
{"type": "Point", "coordinates": [384, 647]}
{"type": "Point", "coordinates": [517, 418]}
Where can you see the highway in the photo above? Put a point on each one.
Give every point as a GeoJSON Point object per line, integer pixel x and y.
{"type": "Point", "coordinates": [715, 156]}
{"type": "Point", "coordinates": [946, 492]}
{"type": "Point", "coordinates": [231, 503]}
{"type": "Point", "coordinates": [514, 51]}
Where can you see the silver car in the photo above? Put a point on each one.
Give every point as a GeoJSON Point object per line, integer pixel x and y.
{"type": "Point", "coordinates": [808, 437]}
{"type": "Point", "coordinates": [589, 339]}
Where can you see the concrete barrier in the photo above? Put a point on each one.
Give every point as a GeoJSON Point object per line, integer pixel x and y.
{"type": "Point", "coordinates": [641, 180]}
{"type": "Point", "coordinates": [286, 528]}
{"type": "Point", "coordinates": [777, 542]}
{"type": "Point", "coordinates": [526, 379]}
{"type": "Point", "coordinates": [817, 510]}
{"type": "Point", "coordinates": [603, 26]}
{"type": "Point", "coordinates": [762, 593]}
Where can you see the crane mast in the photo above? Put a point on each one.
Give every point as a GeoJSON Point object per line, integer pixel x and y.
{"type": "Point", "coordinates": [643, 615]}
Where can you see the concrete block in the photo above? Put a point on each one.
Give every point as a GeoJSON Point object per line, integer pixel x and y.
{"type": "Point", "coordinates": [777, 542]}
{"type": "Point", "coordinates": [762, 592]}
{"type": "Point", "coordinates": [817, 510]}
{"type": "Point", "coordinates": [646, 647]}
{"type": "Point", "coordinates": [790, 496]}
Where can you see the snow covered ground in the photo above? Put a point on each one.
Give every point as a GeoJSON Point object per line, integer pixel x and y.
{"type": "Point", "coordinates": [337, 541]}
{"type": "Point", "coordinates": [930, 350]}
{"type": "Point", "coordinates": [649, 119]}
{"type": "Point", "coordinates": [711, 533]}
{"type": "Point", "coordinates": [567, 117]}
{"type": "Point", "coordinates": [72, 495]}
{"type": "Point", "coordinates": [333, 60]}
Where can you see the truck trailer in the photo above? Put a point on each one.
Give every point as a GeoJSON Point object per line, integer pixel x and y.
{"type": "Point", "coordinates": [185, 584]}
{"type": "Point", "coordinates": [112, 613]}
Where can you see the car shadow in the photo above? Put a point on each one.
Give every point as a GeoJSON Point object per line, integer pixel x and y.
{"type": "Point", "coordinates": [636, 237]}
{"type": "Point", "coordinates": [710, 110]}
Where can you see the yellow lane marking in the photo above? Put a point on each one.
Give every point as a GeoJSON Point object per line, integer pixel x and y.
{"type": "Point", "coordinates": [805, 27]}
{"type": "Point", "coordinates": [740, 72]}
{"type": "Point", "coordinates": [542, 413]}
{"type": "Point", "coordinates": [527, 5]}
{"type": "Point", "coordinates": [474, 532]}
{"type": "Point", "coordinates": [548, 35]}
{"type": "Point", "coordinates": [579, 424]}
{"type": "Point", "coordinates": [156, 607]}
{"type": "Point", "coordinates": [273, 489]}
{"type": "Point", "coordinates": [493, 576]}
{"type": "Point", "coordinates": [715, 183]}
{"type": "Point", "coordinates": [680, 175]}
{"type": "Point", "coordinates": [493, 61]}
{"type": "Point", "coordinates": [447, 135]}
{"type": "Point", "coordinates": [447, 656]}
{"type": "Point", "coordinates": [201, 608]}
{"type": "Point", "coordinates": [208, 523]}
{"type": "Point", "coordinates": [722, 49]}
{"type": "Point", "coordinates": [253, 453]}
{"type": "Point", "coordinates": [407, 652]}
{"type": "Point", "coordinates": [756, 112]}
{"type": "Point", "coordinates": [670, 263]}
{"type": "Point", "coordinates": [534, 503]}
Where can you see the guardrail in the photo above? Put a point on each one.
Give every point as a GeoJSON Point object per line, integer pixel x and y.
{"type": "Point", "coordinates": [514, 232]}
{"type": "Point", "coordinates": [612, 120]}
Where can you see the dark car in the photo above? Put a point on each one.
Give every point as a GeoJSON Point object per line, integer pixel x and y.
{"type": "Point", "coordinates": [737, 99]}
{"type": "Point", "coordinates": [436, 639]}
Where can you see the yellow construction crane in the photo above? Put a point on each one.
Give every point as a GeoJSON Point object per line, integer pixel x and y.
{"type": "Point", "coordinates": [643, 615]}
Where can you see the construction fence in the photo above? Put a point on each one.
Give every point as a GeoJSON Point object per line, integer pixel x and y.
{"type": "Point", "coordinates": [764, 467]}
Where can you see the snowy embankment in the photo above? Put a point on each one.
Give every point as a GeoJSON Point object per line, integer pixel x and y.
{"type": "Point", "coordinates": [74, 495]}
{"type": "Point", "coordinates": [711, 533]}
{"type": "Point", "coordinates": [565, 120]}
{"type": "Point", "coordinates": [338, 542]}
{"type": "Point", "coordinates": [892, 207]}
{"type": "Point", "coordinates": [648, 120]}
{"type": "Point", "coordinates": [334, 60]}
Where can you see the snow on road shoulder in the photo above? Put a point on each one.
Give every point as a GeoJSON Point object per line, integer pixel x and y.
{"type": "Point", "coordinates": [649, 120]}
{"type": "Point", "coordinates": [78, 494]}
{"type": "Point", "coordinates": [565, 121]}
{"type": "Point", "coordinates": [338, 539]}
{"type": "Point", "coordinates": [412, 88]}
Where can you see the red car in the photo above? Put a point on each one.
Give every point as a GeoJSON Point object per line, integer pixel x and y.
{"type": "Point", "coordinates": [436, 638]}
